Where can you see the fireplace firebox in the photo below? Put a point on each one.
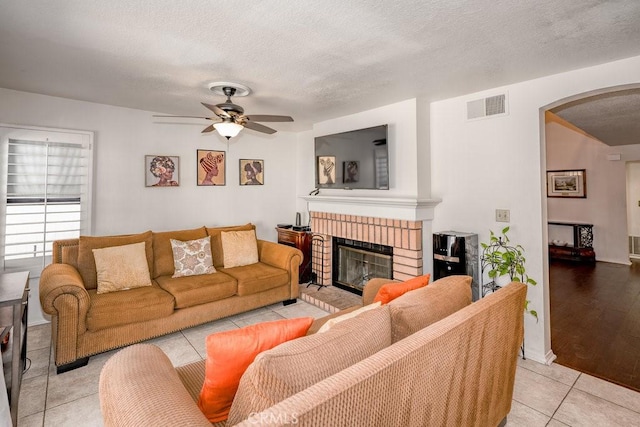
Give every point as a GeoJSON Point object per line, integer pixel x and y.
{"type": "Point", "coordinates": [355, 262]}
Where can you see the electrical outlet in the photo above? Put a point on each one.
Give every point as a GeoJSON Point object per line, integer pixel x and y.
{"type": "Point", "coordinates": [502, 215]}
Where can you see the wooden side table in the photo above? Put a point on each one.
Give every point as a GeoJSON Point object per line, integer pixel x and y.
{"type": "Point", "coordinates": [300, 240]}
{"type": "Point", "coordinates": [581, 249]}
{"type": "Point", "coordinates": [14, 303]}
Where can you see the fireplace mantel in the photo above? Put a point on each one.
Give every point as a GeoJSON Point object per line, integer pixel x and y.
{"type": "Point", "coordinates": [410, 209]}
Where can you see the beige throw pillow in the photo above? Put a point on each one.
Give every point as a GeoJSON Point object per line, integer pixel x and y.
{"type": "Point", "coordinates": [121, 267]}
{"type": "Point", "coordinates": [331, 322]}
{"type": "Point", "coordinates": [192, 258]}
{"type": "Point", "coordinates": [239, 248]}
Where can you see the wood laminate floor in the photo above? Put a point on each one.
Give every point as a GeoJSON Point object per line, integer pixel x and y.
{"type": "Point", "coordinates": [595, 319]}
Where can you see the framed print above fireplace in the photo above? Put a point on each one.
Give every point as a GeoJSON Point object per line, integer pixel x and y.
{"type": "Point", "coordinates": [567, 183]}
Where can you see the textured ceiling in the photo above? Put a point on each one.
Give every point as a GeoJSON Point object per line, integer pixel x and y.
{"type": "Point", "coordinates": [311, 60]}
{"type": "Point", "coordinates": [612, 118]}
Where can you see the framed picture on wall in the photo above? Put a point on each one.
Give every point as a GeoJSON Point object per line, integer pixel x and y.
{"type": "Point", "coordinates": [567, 183]}
{"type": "Point", "coordinates": [211, 167]}
{"type": "Point", "coordinates": [251, 172]}
{"type": "Point", "coordinates": [162, 171]}
{"type": "Point", "coordinates": [326, 170]}
{"type": "Point", "coordinates": [350, 171]}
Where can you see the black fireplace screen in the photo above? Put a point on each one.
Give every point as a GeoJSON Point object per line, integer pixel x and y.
{"type": "Point", "coordinates": [355, 262]}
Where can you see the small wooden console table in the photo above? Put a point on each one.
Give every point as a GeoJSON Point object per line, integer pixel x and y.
{"type": "Point", "coordinates": [582, 247]}
{"type": "Point", "coordinates": [14, 302]}
{"type": "Point", "coordinates": [300, 240]}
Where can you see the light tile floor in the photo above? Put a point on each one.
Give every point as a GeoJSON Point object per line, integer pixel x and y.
{"type": "Point", "coordinates": [543, 396]}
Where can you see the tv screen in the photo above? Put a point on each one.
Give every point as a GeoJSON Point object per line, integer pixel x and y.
{"type": "Point", "coordinates": [358, 159]}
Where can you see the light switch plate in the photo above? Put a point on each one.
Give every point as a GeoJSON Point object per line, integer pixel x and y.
{"type": "Point", "coordinates": [502, 215]}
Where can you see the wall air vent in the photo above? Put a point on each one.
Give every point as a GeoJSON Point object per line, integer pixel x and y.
{"type": "Point", "coordinates": [485, 107]}
{"type": "Point", "coordinates": [634, 247]}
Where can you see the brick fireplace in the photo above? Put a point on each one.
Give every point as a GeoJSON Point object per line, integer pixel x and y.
{"type": "Point", "coordinates": [404, 236]}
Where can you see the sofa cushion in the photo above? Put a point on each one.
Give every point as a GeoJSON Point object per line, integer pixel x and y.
{"type": "Point", "coordinates": [86, 244]}
{"type": "Point", "coordinates": [393, 290]}
{"type": "Point", "coordinates": [296, 365]}
{"type": "Point", "coordinates": [216, 241]}
{"type": "Point", "coordinates": [421, 307]}
{"type": "Point", "coordinates": [195, 290]}
{"type": "Point", "coordinates": [319, 323]}
{"type": "Point", "coordinates": [192, 258]}
{"type": "Point", "coordinates": [229, 354]}
{"type": "Point", "coordinates": [345, 316]}
{"type": "Point", "coordinates": [162, 252]}
{"type": "Point", "coordinates": [121, 268]}
{"type": "Point", "coordinates": [239, 248]}
{"type": "Point", "coordinates": [257, 277]}
{"type": "Point", "coordinates": [132, 306]}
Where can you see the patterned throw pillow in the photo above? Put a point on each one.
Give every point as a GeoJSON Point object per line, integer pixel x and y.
{"type": "Point", "coordinates": [192, 257]}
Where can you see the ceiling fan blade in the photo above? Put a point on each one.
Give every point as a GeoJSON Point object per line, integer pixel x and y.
{"type": "Point", "coordinates": [185, 117]}
{"type": "Point", "coordinates": [219, 111]}
{"type": "Point", "coordinates": [268, 118]}
{"type": "Point", "coordinates": [258, 127]}
{"type": "Point", "coordinates": [209, 128]}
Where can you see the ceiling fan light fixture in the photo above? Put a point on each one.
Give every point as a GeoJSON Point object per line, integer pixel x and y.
{"type": "Point", "coordinates": [228, 129]}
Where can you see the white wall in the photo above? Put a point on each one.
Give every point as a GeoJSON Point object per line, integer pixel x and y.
{"type": "Point", "coordinates": [633, 198]}
{"type": "Point", "coordinates": [478, 166]}
{"type": "Point", "coordinates": [605, 205]}
{"type": "Point", "coordinates": [122, 203]}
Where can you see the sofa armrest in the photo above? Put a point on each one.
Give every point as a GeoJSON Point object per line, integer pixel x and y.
{"type": "Point", "coordinates": [371, 289]}
{"type": "Point", "coordinates": [57, 280]}
{"type": "Point", "coordinates": [278, 255]}
{"type": "Point", "coordinates": [139, 386]}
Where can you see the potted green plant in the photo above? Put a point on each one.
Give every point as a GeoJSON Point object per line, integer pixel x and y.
{"type": "Point", "coordinates": [501, 259]}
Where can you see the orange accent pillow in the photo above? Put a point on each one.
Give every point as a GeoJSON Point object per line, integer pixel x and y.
{"type": "Point", "coordinates": [391, 291]}
{"type": "Point", "coordinates": [230, 353]}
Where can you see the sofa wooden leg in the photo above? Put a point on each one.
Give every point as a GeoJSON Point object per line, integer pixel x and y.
{"type": "Point", "coordinates": [503, 422]}
{"type": "Point", "coordinates": [79, 363]}
{"type": "Point", "coordinates": [289, 301]}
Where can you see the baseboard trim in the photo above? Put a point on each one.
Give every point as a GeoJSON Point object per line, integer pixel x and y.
{"type": "Point", "coordinates": [545, 359]}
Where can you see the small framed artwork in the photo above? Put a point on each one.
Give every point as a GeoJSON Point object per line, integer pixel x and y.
{"type": "Point", "coordinates": [567, 183]}
{"type": "Point", "coordinates": [251, 172]}
{"type": "Point", "coordinates": [326, 170]}
{"type": "Point", "coordinates": [350, 171]}
{"type": "Point", "coordinates": [162, 171]}
{"type": "Point", "coordinates": [211, 167]}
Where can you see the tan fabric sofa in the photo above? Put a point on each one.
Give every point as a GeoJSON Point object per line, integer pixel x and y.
{"type": "Point", "coordinates": [371, 370]}
{"type": "Point", "coordinates": [85, 323]}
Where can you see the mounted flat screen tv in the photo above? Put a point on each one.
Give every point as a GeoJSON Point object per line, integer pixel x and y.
{"type": "Point", "coordinates": [358, 159]}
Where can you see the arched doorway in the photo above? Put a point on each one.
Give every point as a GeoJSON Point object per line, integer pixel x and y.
{"type": "Point", "coordinates": [592, 306]}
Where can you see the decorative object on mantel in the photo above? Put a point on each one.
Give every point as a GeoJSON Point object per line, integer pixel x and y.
{"type": "Point", "coordinates": [326, 170]}
{"type": "Point", "coordinates": [350, 171]}
{"type": "Point", "coordinates": [567, 183]}
{"type": "Point", "coordinates": [251, 172]}
{"type": "Point", "coordinates": [211, 167]}
{"type": "Point", "coordinates": [162, 171]}
{"type": "Point", "coordinates": [229, 117]}
{"type": "Point", "coordinates": [501, 259]}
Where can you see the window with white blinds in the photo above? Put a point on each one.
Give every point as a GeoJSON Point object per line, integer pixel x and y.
{"type": "Point", "coordinates": [47, 196]}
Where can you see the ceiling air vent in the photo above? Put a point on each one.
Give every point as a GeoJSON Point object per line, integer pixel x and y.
{"type": "Point", "coordinates": [485, 107]}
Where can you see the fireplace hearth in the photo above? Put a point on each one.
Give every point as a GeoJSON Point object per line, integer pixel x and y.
{"type": "Point", "coordinates": [355, 262]}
